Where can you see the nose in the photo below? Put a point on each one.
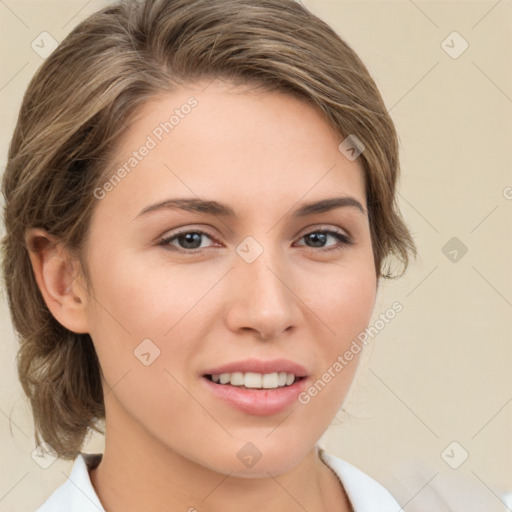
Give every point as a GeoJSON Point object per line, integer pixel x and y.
{"type": "Point", "coordinates": [262, 299]}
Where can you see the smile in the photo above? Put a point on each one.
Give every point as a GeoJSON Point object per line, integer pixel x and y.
{"type": "Point", "coordinates": [255, 380]}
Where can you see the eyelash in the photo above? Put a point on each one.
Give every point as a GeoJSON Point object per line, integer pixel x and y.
{"type": "Point", "coordinates": [344, 240]}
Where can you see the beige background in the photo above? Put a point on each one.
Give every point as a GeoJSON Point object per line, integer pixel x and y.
{"type": "Point", "coordinates": [440, 371]}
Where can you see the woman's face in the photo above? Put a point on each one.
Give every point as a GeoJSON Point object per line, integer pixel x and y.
{"type": "Point", "coordinates": [240, 275]}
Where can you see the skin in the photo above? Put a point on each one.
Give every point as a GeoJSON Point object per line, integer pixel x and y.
{"type": "Point", "coordinates": [168, 439]}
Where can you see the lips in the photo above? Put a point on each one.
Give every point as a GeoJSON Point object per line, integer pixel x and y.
{"type": "Point", "coordinates": [258, 402]}
{"type": "Point", "coordinates": [259, 366]}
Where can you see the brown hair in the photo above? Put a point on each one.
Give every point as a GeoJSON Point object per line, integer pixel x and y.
{"type": "Point", "coordinates": [80, 102]}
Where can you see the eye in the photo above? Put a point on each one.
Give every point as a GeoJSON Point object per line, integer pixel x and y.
{"type": "Point", "coordinates": [186, 239]}
{"type": "Point", "coordinates": [320, 236]}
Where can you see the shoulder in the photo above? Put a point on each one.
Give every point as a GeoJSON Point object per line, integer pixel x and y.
{"type": "Point", "coordinates": [76, 494]}
{"type": "Point", "coordinates": [364, 493]}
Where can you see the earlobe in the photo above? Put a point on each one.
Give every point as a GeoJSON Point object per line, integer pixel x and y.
{"type": "Point", "coordinates": [57, 277]}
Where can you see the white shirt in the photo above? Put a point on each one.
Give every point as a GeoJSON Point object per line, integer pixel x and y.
{"type": "Point", "coordinates": [77, 494]}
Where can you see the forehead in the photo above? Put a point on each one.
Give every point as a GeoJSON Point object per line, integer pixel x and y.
{"type": "Point", "coordinates": [232, 142]}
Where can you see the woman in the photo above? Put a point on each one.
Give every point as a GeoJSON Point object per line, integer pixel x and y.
{"type": "Point", "coordinates": [199, 204]}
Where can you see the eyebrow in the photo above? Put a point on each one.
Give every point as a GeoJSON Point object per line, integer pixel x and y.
{"type": "Point", "coordinates": [215, 208]}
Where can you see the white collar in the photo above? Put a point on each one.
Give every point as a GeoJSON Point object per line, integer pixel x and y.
{"type": "Point", "coordinates": [364, 493]}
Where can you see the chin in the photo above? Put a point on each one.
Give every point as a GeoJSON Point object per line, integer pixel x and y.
{"type": "Point", "coordinates": [259, 464]}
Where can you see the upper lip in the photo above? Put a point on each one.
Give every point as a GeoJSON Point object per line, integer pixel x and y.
{"type": "Point", "coordinates": [260, 366]}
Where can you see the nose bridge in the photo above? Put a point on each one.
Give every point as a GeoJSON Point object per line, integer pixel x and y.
{"type": "Point", "coordinates": [262, 297]}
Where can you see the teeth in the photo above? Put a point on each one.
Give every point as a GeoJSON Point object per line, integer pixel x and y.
{"type": "Point", "coordinates": [252, 380]}
{"type": "Point", "coordinates": [256, 380]}
{"type": "Point", "coordinates": [270, 380]}
{"type": "Point", "coordinates": [237, 378]}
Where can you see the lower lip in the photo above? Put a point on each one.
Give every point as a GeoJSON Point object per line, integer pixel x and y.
{"type": "Point", "coordinates": [260, 402]}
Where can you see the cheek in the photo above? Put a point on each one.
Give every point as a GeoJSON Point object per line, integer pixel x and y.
{"type": "Point", "coordinates": [343, 300]}
{"type": "Point", "coordinates": [135, 301]}
{"type": "Point", "coordinates": [143, 331]}
{"type": "Point", "coordinates": [344, 303]}
{"type": "Point", "coordinates": [131, 292]}
{"type": "Point", "coordinates": [352, 304]}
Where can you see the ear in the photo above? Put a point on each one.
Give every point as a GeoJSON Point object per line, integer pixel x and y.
{"type": "Point", "coordinates": [58, 278]}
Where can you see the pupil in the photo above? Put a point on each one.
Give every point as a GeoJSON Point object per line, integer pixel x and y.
{"type": "Point", "coordinates": [189, 239]}
{"type": "Point", "coordinates": [317, 237]}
